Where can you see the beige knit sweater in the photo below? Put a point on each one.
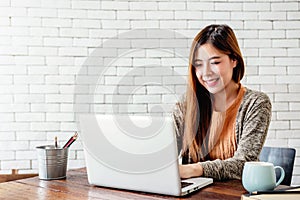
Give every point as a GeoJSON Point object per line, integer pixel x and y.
{"type": "Point", "coordinates": [251, 126]}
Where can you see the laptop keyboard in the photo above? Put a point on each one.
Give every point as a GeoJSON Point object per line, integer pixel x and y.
{"type": "Point", "coordinates": [185, 184]}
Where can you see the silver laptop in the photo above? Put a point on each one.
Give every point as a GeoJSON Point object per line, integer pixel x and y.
{"type": "Point", "coordinates": [134, 153]}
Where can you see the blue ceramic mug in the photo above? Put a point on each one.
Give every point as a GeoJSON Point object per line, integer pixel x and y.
{"type": "Point", "coordinates": [260, 176]}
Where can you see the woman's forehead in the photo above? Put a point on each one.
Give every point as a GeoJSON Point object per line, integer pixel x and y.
{"type": "Point", "coordinates": [207, 51]}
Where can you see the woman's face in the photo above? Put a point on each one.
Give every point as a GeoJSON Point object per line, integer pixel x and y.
{"type": "Point", "coordinates": [213, 68]}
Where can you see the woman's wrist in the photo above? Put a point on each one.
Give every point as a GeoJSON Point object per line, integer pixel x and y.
{"type": "Point", "coordinates": [198, 169]}
{"type": "Point", "coordinates": [191, 170]}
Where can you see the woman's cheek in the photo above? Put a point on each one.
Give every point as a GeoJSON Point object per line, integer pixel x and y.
{"type": "Point", "coordinates": [199, 76]}
{"type": "Point", "coordinates": [215, 69]}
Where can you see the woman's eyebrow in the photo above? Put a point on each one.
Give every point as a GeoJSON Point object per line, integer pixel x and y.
{"type": "Point", "coordinates": [197, 60]}
{"type": "Point", "coordinates": [211, 58]}
{"type": "Point", "coordinates": [214, 57]}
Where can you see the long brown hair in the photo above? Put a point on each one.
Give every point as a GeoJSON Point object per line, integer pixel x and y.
{"type": "Point", "coordinates": [198, 100]}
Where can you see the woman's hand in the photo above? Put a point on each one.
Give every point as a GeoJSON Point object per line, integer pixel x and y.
{"type": "Point", "coordinates": [190, 170]}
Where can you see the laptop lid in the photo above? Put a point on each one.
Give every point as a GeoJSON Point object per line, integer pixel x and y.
{"type": "Point", "coordinates": [132, 152]}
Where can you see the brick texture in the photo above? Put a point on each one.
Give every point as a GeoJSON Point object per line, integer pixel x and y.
{"type": "Point", "coordinates": [59, 58]}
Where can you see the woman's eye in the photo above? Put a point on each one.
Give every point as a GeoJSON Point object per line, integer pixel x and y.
{"type": "Point", "coordinates": [198, 65]}
{"type": "Point", "coordinates": [215, 63]}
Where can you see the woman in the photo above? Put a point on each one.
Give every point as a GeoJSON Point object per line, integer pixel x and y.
{"type": "Point", "coordinates": [220, 124]}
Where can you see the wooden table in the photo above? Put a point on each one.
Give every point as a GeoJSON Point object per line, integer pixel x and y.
{"type": "Point", "coordinates": [76, 187]}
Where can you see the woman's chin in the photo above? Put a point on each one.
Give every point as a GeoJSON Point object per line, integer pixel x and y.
{"type": "Point", "coordinates": [214, 90]}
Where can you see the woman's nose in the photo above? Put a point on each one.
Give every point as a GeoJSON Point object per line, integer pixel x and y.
{"type": "Point", "coordinates": [206, 69]}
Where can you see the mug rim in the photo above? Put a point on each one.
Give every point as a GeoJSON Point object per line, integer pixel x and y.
{"type": "Point", "coordinates": [259, 163]}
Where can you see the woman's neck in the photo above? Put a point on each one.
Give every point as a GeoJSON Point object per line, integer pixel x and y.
{"type": "Point", "coordinates": [225, 98]}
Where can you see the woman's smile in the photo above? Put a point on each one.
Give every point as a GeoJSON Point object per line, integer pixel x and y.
{"type": "Point", "coordinates": [212, 82]}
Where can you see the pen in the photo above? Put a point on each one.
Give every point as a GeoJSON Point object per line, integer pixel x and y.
{"type": "Point", "coordinates": [71, 140]}
{"type": "Point", "coordinates": [55, 141]}
{"type": "Point", "coordinates": [278, 192]}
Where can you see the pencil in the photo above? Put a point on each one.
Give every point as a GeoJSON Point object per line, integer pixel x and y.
{"type": "Point", "coordinates": [55, 141]}
{"type": "Point", "coordinates": [71, 140]}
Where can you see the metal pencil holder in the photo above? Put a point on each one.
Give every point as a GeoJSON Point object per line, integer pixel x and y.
{"type": "Point", "coordinates": [52, 162]}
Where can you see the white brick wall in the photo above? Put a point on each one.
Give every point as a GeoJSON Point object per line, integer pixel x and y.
{"type": "Point", "coordinates": [43, 45]}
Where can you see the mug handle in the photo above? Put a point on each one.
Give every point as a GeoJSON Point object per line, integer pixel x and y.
{"type": "Point", "coordinates": [282, 174]}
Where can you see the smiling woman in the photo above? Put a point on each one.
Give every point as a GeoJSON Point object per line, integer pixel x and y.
{"type": "Point", "coordinates": [220, 124]}
{"type": "Point", "coordinates": [213, 68]}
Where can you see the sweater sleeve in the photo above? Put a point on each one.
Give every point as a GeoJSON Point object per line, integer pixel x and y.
{"type": "Point", "coordinates": [253, 120]}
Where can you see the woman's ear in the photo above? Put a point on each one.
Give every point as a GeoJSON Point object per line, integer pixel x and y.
{"type": "Point", "coordinates": [234, 60]}
{"type": "Point", "coordinates": [234, 63]}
